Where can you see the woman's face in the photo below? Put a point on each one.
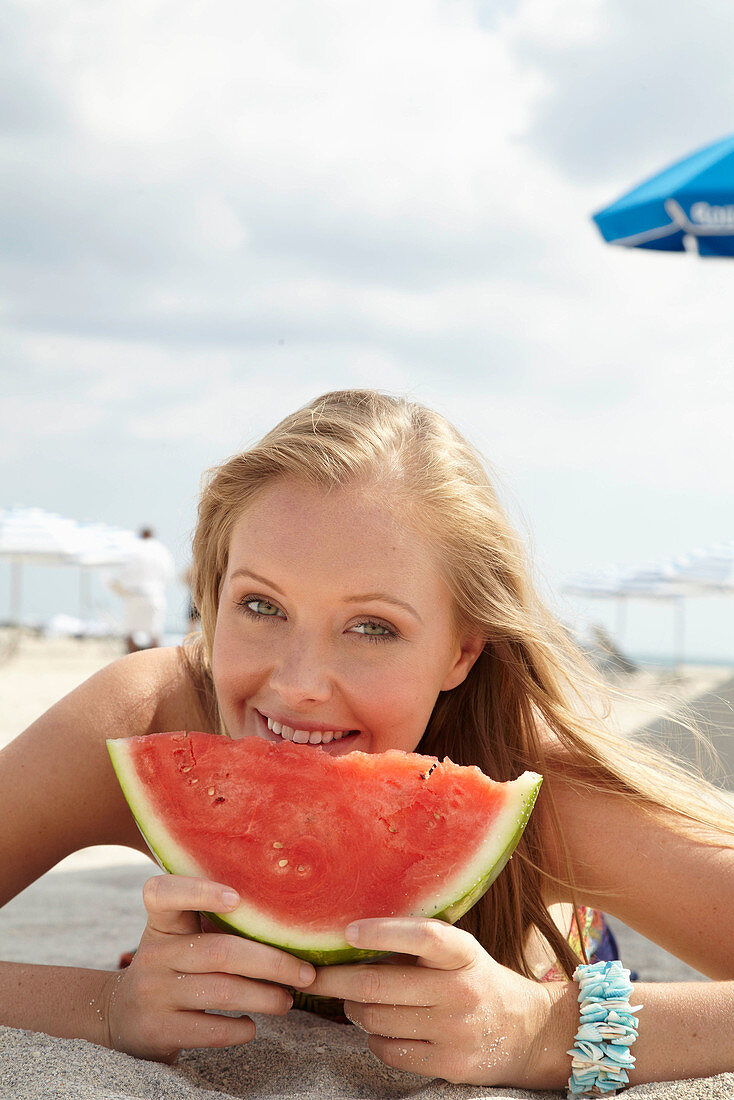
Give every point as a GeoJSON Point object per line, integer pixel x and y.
{"type": "Point", "coordinates": [334, 626]}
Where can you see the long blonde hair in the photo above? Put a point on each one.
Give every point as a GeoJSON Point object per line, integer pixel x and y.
{"type": "Point", "coordinates": [525, 703]}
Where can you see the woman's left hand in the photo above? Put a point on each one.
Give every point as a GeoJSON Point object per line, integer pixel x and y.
{"type": "Point", "coordinates": [446, 1008]}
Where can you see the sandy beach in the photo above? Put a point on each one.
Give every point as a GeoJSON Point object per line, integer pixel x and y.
{"type": "Point", "coordinates": [94, 900]}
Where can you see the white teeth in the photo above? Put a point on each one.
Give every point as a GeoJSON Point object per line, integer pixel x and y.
{"type": "Point", "coordinates": [303, 737]}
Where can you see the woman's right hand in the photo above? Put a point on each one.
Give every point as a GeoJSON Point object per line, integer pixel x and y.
{"type": "Point", "coordinates": [156, 1007]}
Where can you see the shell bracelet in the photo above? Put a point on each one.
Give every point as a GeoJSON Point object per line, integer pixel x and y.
{"type": "Point", "coordinates": [608, 1027]}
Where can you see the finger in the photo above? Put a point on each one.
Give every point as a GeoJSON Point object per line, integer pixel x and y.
{"type": "Point", "coordinates": [220, 953]}
{"type": "Point", "coordinates": [433, 942]}
{"type": "Point", "coordinates": [405, 1054]}
{"type": "Point", "coordinates": [378, 983]}
{"type": "Point", "coordinates": [395, 1021]}
{"type": "Point", "coordinates": [173, 901]}
{"type": "Point", "coordinates": [200, 1029]}
{"type": "Point", "coordinates": [227, 993]}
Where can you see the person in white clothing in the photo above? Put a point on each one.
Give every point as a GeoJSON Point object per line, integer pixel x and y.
{"type": "Point", "coordinates": [142, 583]}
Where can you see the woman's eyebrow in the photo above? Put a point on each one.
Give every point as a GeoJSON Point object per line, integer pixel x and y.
{"type": "Point", "coordinates": [256, 577]}
{"type": "Point", "coordinates": [364, 597]}
{"type": "Point", "coordinates": [383, 597]}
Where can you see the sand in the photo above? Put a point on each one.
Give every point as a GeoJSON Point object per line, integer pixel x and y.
{"type": "Point", "coordinates": [292, 1057]}
{"type": "Point", "coordinates": [94, 897]}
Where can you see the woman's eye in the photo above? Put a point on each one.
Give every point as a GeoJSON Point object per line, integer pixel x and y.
{"type": "Point", "coordinates": [373, 630]}
{"type": "Point", "coordinates": [260, 608]}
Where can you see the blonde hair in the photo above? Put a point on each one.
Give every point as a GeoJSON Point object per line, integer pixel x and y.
{"type": "Point", "coordinates": [526, 702]}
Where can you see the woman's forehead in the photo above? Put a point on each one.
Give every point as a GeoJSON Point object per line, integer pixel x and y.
{"type": "Point", "coordinates": [293, 502]}
{"type": "Point", "coordinates": [351, 529]}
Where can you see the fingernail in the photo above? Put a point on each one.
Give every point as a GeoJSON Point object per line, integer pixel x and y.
{"type": "Point", "coordinates": [351, 933]}
{"type": "Point", "coordinates": [230, 898]}
{"type": "Point", "coordinates": [306, 974]}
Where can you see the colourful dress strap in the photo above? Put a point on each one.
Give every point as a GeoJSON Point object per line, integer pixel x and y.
{"type": "Point", "coordinates": [597, 937]}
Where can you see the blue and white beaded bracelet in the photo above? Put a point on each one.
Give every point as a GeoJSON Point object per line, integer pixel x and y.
{"type": "Point", "coordinates": [601, 1054]}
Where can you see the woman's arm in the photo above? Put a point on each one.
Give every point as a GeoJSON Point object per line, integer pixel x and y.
{"type": "Point", "coordinates": [677, 890]}
{"type": "Point", "coordinates": [674, 887]}
{"type": "Point", "coordinates": [686, 1030]}
{"type": "Point", "coordinates": [58, 786]}
{"type": "Point", "coordinates": [60, 794]}
{"type": "Point", "coordinates": [461, 1016]}
{"type": "Point", "coordinates": [65, 1001]}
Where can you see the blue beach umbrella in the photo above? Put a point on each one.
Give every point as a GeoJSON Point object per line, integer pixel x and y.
{"type": "Point", "coordinates": [688, 206]}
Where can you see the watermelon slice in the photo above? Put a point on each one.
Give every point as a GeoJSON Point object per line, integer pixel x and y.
{"type": "Point", "coordinates": [312, 841]}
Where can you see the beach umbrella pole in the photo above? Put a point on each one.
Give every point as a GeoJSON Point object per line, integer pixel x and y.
{"type": "Point", "coordinates": [85, 594]}
{"type": "Point", "coordinates": [15, 592]}
{"type": "Point", "coordinates": [619, 628]}
{"type": "Point", "coordinates": [680, 631]}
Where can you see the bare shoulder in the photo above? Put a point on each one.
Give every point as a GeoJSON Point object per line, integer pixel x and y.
{"type": "Point", "coordinates": [134, 695]}
{"type": "Point", "coordinates": [60, 791]}
{"type": "Point", "coordinates": [143, 693]}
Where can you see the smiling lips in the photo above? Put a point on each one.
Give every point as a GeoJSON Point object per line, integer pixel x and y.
{"type": "Point", "coordinates": [303, 737]}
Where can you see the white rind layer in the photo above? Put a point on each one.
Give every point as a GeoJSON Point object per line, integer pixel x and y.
{"type": "Point", "coordinates": [458, 892]}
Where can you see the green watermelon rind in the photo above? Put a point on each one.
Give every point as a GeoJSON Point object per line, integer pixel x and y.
{"type": "Point", "coordinates": [464, 889]}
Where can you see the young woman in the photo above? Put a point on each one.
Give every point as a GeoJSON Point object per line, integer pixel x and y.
{"type": "Point", "coordinates": [361, 588]}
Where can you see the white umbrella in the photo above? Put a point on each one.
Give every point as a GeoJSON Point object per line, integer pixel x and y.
{"type": "Point", "coordinates": [34, 536]}
{"type": "Point", "coordinates": [650, 582]}
{"type": "Point", "coordinates": [708, 571]}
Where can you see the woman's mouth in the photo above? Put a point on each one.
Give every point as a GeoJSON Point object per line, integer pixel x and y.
{"type": "Point", "coordinates": [306, 737]}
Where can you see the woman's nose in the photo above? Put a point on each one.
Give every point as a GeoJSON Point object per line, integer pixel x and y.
{"type": "Point", "coordinates": [302, 674]}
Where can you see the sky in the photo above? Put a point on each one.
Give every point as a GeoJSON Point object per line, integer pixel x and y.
{"type": "Point", "coordinates": [213, 212]}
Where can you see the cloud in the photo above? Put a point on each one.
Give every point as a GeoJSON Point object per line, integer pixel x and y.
{"type": "Point", "coordinates": [631, 85]}
{"type": "Point", "coordinates": [235, 146]}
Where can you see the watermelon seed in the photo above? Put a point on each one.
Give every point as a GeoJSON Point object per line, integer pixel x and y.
{"type": "Point", "coordinates": [391, 829]}
{"type": "Point", "coordinates": [220, 798]}
{"type": "Point", "coordinates": [187, 768]}
{"type": "Point", "coordinates": [277, 844]}
{"type": "Point", "coordinates": [282, 862]}
{"type": "Point", "coordinates": [210, 791]}
{"type": "Point", "coordinates": [301, 868]}
{"type": "Point", "coordinates": [192, 781]}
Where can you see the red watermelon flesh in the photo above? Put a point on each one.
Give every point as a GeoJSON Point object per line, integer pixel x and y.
{"type": "Point", "coordinates": [312, 841]}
